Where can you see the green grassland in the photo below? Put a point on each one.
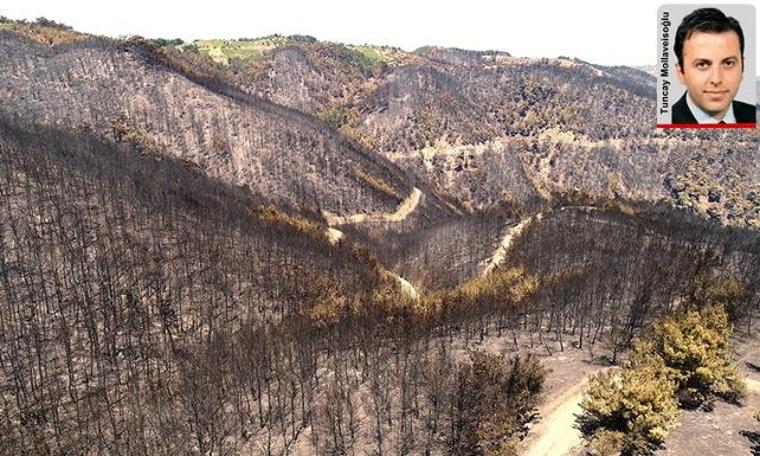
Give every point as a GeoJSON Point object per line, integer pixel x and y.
{"type": "Point", "coordinates": [243, 49]}
{"type": "Point", "coordinates": [369, 56]}
{"type": "Point", "coordinates": [248, 49]}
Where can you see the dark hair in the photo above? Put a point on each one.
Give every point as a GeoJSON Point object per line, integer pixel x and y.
{"type": "Point", "coordinates": [710, 20]}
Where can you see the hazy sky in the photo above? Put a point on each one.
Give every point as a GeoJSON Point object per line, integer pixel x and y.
{"type": "Point", "coordinates": [605, 32]}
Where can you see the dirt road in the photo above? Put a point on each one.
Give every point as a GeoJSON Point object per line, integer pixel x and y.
{"type": "Point", "coordinates": [506, 242]}
{"type": "Point", "coordinates": [402, 212]}
{"type": "Point", "coordinates": [556, 434]}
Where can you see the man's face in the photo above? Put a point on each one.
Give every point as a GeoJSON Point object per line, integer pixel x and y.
{"type": "Point", "coordinates": [712, 70]}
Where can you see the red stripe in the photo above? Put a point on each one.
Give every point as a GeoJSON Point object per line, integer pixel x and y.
{"type": "Point", "coordinates": [692, 125]}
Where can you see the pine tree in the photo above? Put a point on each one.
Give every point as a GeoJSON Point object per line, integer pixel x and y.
{"type": "Point", "coordinates": [687, 361]}
{"type": "Point", "coordinates": [630, 410]}
{"type": "Point", "coordinates": [697, 350]}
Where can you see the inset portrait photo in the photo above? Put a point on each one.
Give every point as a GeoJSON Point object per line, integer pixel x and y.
{"type": "Point", "coordinates": [706, 66]}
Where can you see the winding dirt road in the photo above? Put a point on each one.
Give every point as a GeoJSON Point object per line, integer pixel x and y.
{"type": "Point", "coordinates": [510, 234]}
{"type": "Point", "coordinates": [334, 236]}
{"type": "Point", "coordinates": [402, 212]}
{"type": "Point", "coordinates": [556, 434]}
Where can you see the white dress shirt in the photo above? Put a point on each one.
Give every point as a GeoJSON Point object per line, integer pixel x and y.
{"type": "Point", "coordinates": [705, 118]}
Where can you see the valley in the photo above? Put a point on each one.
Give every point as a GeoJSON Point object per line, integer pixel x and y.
{"type": "Point", "coordinates": [282, 245]}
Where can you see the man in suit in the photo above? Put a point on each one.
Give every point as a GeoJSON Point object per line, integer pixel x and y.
{"type": "Point", "coordinates": [710, 50]}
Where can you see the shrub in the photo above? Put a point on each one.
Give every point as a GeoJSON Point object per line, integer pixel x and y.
{"type": "Point", "coordinates": [697, 350]}
{"type": "Point", "coordinates": [686, 361]}
{"type": "Point", "coordinates": [630, 409]}
{"type": "Point", "coordinates": [728, 291]}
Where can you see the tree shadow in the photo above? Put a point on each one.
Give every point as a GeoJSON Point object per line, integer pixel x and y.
{"type": "Point", "coordinates": [754, 441]}
{"type": "Point", "coordinates": [601, 360]}
{"type": "Point", "coordinates": [752, 366]}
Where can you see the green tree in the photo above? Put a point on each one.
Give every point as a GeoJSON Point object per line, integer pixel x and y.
{"type": "Point", "coordinates": [727, 291]}
{"type": "Point", "coordinates": [630, 410]}
{"type": "Point", "coordinates": [697, 350]}
{"type": "Point", "coordinates": [686, 361]}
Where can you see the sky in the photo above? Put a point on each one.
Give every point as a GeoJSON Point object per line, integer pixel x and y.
{"type": "Point", "coordinates": [602, 32]}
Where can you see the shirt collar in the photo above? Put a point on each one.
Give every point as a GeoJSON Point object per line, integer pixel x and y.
{"type": "Point", "coordinates": [705, 118]}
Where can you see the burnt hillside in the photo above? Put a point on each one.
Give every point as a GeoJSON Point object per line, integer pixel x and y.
{"type": "Point", "coordinates": [115, 267]}
{"type": "Point", "coordinates": [149, 308]}
{"type": "Point", "coordinates": [404, 101]}
{"type": "Point", "coordinates": [310, 248]}
{"type": "Point", "coordinates": [130, 92]}
{"type": "Point", "coordinates": [488, 128]}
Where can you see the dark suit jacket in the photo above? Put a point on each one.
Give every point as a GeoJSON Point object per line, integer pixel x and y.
{"type": "Point", "coordinates": [744, 112]}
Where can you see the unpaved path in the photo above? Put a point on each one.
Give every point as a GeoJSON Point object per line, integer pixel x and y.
{"type": "Point", "coordinates": [402, 212]}
{"type": "Point", "coordinates": [511, 233]}
{"type": "Point", "coordinates": [334, 236]}
{"type": "Point", "coordinates": [506, 242]}
{"type": "Point", "coordinates": [555, 434]}
{"type": "Point", "coordinates": [407, 287]}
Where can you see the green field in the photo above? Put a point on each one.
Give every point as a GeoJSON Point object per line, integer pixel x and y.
{"type": "Point", "coordinates": [372, 55]}
{"type": "Point", "coordinates": [244, 50]}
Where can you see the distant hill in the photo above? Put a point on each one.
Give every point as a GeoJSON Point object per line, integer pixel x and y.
{"type": "Point", "coordinates": [134, 92]}
{"type": "Point", "coordinates": [242, 50]}
{"type": "Point", "coordinates": [407, 100]}
{"type": "Point", "coordinates": [651, 70]}
{"type": "Point", "coordinates": [474, 129]}
{"type": "Point", "coordinates": [488, 128]}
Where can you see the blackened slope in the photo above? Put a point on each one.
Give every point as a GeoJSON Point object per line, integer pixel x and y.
{"type": "Point", "coordinates": [416, 105]}
{"type": "Point", "coordinates": [717, 177]}
{"type": "Point", "coordinates": [410, 100]}
{"type": "Point", "coordinates": [438, 254]}
{"type": "Point", "coordinates": [309, 77]}
{"type": "Point", "coordinates": [159, 216]}
{"type": "Point", "coordinates": [132, 92]}
{"type": "Point", "coordinates": [116, 267]}
{"type": "Point", "coordinates": [478, 175]}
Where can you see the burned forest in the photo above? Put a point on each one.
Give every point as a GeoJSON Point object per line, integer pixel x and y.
{"type": "Point", "coordinates": [329, 249]}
